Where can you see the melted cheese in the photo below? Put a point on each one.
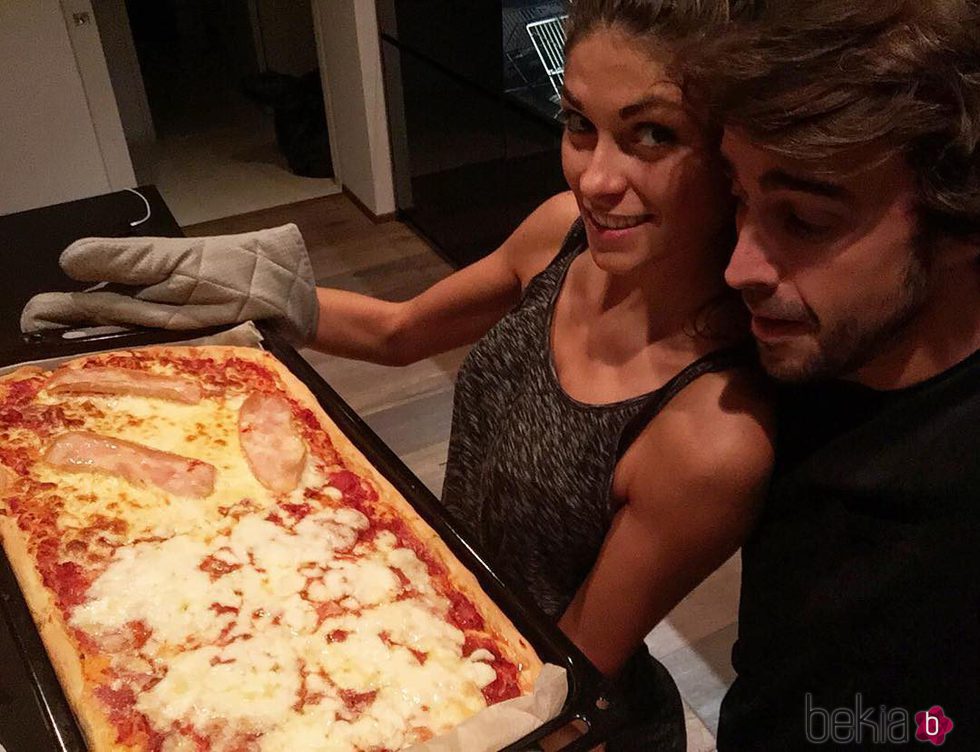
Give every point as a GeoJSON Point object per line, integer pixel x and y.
{"type": "Point", "coordinates": [274, 635]}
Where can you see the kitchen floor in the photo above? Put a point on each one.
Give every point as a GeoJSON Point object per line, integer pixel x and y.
{"type": "Point", "coordinates": [224, 169]}
{"type": "Point", "coordinates": [215, 154]}
{"type": "Point", "coordinates": [410, 408]}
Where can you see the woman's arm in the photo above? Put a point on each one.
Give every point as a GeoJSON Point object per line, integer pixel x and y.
{"type": "Point", "coordinates": [455, 311]}
{"type": "Point", "coordinates": [691, 485]}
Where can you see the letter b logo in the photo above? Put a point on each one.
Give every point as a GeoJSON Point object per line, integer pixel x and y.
{"type": "Point", "coordinates": [818, 725]}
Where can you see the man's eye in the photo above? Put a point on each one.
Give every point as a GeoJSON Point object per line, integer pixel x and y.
{"type": "Point", "coordinates": [654, 134]}
{"type": "Point", "coordinates": [574, 122]}
{"type": "Point", "coordinates": [798, 227]}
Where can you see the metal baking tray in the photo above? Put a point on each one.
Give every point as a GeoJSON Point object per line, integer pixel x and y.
{"type": "Point", "coordinates": [592, 700]}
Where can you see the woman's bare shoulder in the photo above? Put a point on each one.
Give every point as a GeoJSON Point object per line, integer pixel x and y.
{"type": "Point", "coordinates": [724, 417]}
{"type": "Point", "coordinates": [719, 430]}
{"type": "Point", "coordinates": [539, 237]}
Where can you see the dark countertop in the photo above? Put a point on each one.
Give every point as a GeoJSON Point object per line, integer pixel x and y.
{"type": "Point", "coordinates": [31, 241]}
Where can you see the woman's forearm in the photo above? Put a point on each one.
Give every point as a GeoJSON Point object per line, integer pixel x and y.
{"type": "Point", "coordinates": [357, 326]}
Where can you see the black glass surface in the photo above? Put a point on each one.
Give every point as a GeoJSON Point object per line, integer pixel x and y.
{"type": "Point", "coordinates": [31, 241]}
{"type": "Point", "coordinates": [463, 37]}
{"type": "Point", "coordinates": [475, 144]}
{"type": "Point", "coordinates": [530, 75]}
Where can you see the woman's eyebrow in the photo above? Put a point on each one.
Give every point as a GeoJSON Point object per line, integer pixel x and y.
{"type": "Point", "coordinates": [630, 110]}
{"type": "Point", "coordinates": [654, 100]}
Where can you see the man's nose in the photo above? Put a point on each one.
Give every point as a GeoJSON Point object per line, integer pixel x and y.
{"type": "Point", "coordinates": [750, 267]}
{"type": "Point", "coordinates": [604, 175]}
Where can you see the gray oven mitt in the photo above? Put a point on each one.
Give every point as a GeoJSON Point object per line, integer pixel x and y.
{"type": "Point", "coordinates": [185, 283]}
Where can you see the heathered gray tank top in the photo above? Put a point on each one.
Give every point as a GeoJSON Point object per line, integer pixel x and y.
{"type": "Point", "coordinates": [530, 468]}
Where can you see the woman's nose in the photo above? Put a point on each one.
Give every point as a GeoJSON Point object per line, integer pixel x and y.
{"type": "Point", "coordinates": [604, 174]}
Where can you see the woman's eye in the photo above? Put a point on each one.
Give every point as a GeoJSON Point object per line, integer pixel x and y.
{"type": "Point", "coordinates": [654, 134]}
{"type": "Point", "coordinates": [574, 122]}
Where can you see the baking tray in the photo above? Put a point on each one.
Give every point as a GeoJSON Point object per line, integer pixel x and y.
{"type": "Point", "coordinates": [592, 700]}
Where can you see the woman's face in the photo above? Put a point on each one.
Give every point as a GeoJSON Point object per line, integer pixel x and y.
{"type": "Point", "coordinates": [648, 183]}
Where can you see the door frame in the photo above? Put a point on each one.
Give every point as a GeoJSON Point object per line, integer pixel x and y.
{"type": "Point", "coordinates": [86, 44]}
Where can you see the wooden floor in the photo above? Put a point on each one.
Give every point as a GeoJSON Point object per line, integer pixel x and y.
{"type": "Point", "coordinates": [410, 408]}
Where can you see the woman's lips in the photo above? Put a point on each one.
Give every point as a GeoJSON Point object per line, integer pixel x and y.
{"type": "Point", "coordinates": [765, 328]}
{"type": "Point", "coordinates": [615, 226]}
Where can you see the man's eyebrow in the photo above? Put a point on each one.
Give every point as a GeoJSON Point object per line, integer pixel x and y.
{"type": "Point", "coordinates": [778, 178]}
{"type": "Point", "coordinates": [630, 110]}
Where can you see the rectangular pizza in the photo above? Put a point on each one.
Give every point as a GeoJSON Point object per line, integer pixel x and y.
{"type": "Point", "coordinates": [213, 565]}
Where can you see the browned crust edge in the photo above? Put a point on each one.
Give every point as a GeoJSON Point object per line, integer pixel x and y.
{"type": "Point", "coordinates": [99, 732]}
{"type": "Point", "coordinates": [24, 372]}
{"type": "Point", "coordinates": [520, 650]}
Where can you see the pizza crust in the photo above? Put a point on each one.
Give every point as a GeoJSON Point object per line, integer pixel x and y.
{"type": "Point", "coordinates": [62, 650]}
{"type": "Point", "coordinates": [24, 372]}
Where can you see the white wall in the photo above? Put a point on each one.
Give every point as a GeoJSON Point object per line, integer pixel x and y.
{"type": "Point", "coordinates": [350, 63]}
{"type": "Point", "coordinates": [54, 146]}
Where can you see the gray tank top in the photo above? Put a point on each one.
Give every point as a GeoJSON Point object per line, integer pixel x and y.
{"type": "Point", "coordinates": [530, 468]}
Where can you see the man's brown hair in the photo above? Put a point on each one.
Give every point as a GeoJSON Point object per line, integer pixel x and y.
{"type": "Point", "coordinates": [812, 79]}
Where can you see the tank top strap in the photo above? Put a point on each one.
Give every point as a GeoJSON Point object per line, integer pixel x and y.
{"type": "Point", "coordinates": [573, 244]}
{"type": "Point", "coordinates": [713, 362]}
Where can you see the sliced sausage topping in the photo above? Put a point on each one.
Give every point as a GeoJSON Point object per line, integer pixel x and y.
{"type": "Point", "coordinates": [271, 442]}
{"type": "Point", "coordinates": [105, 380]}
{"type": "Point", "coordinates": [81, 451]}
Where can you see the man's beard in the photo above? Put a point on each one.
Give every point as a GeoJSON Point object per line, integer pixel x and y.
{"type": "Point", "coordinates": [855, 341]}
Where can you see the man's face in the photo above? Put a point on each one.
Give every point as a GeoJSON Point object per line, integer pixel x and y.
{"type": "Point", "coordinates": [827, 267]}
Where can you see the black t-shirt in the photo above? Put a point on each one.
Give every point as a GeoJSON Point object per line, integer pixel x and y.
{"type": "Point", "coordinates": [860, 600]}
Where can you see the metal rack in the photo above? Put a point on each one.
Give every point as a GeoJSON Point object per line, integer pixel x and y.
{"type": "Point", "coordinates": [548, 38]}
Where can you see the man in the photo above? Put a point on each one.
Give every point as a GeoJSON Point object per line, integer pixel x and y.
{"type": "Point", "coordinates": [852, 132]}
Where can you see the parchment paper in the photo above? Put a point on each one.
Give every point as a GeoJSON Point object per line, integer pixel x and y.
{"type": "Point", "coordinates": [506, 722]}
{"type": "Point", "coordinates": [487, 731]}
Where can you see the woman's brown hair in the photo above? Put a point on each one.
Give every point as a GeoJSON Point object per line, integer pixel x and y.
{"type": "Point", "coordinates": [813, 79]}
{"type": "Point", "coordinates": [663, 20]}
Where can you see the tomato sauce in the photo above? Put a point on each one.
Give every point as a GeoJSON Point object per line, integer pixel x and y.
{"type": "Point", "coordinates": [357, 702]}
{"type": "Point", "coordinates": [505, 686]}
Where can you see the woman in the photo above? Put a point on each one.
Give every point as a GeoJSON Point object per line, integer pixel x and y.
{"type": "Point", "coordinates": [607, 450]}
{"type": "Point", "coordinates": [609, 444]}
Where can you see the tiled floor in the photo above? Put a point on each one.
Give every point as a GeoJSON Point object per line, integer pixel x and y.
{"type": "Point", "coordinates": [411, 408]}
{"type": "Point", "coordinates": [226, 170]}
